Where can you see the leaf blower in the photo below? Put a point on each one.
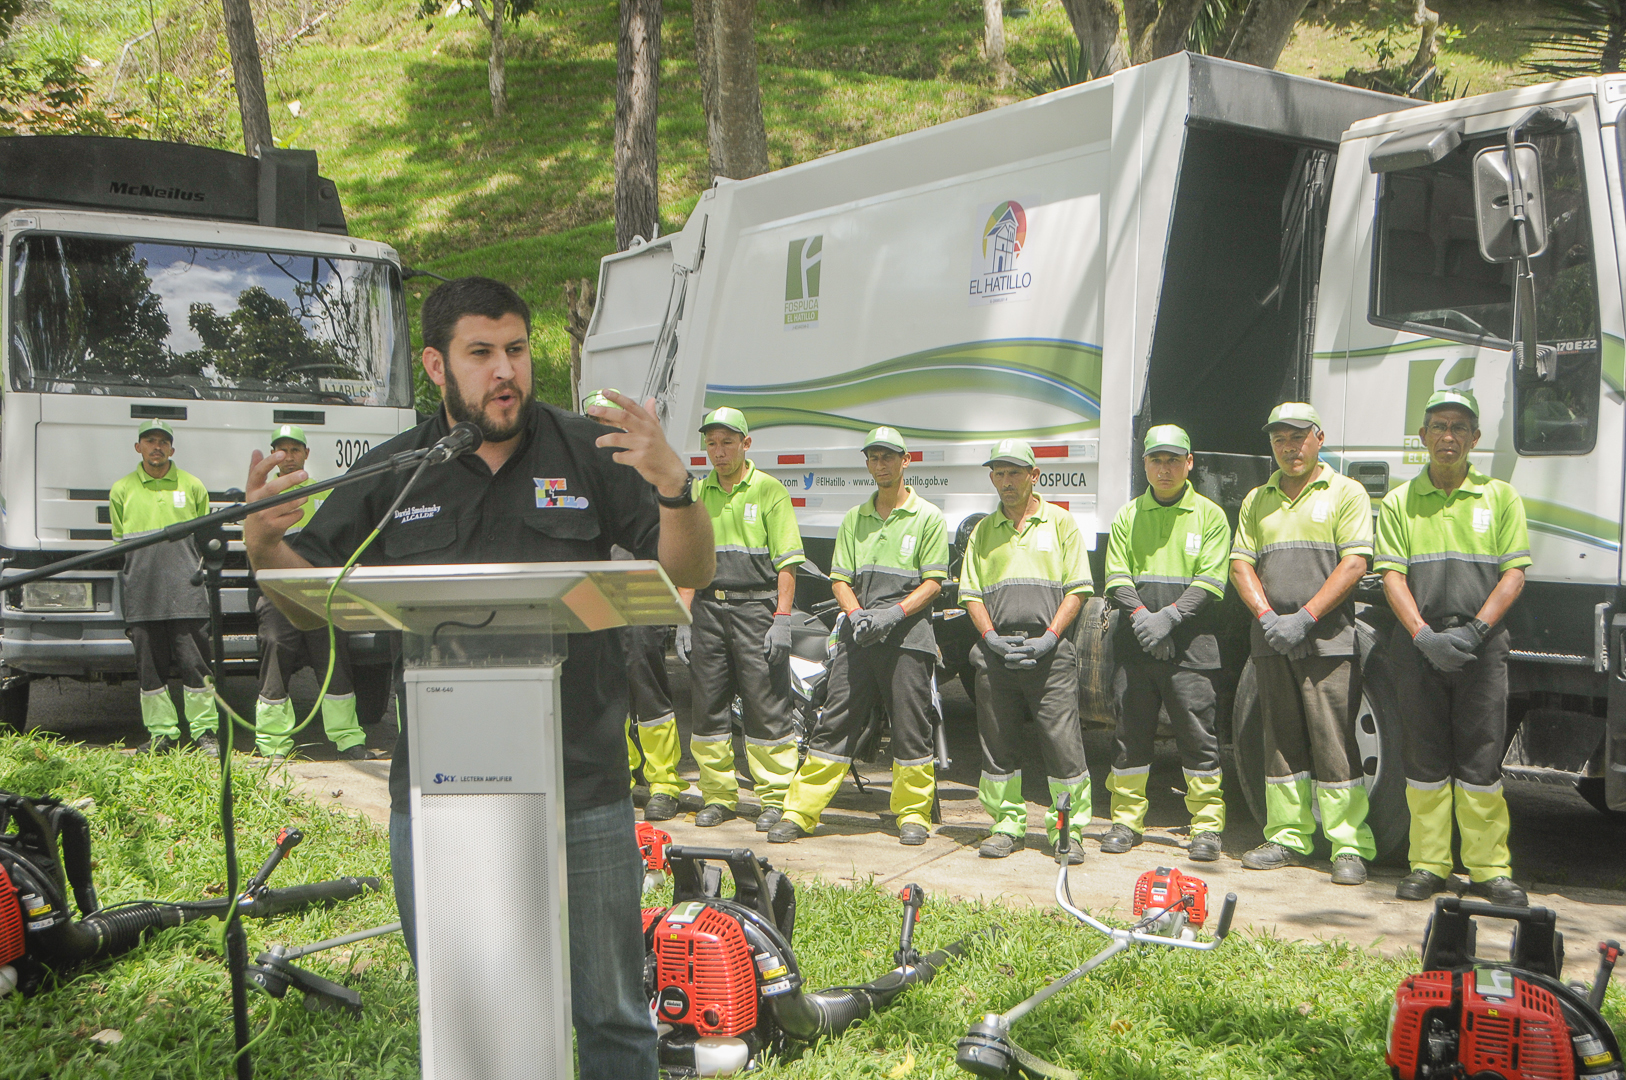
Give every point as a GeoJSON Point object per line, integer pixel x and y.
{"type": "Point", "coordinates": [45, 853]}
{"type": "Point", "coordinates": [1474, 1019]}
{"type": "Point", "coordinates": [1167, 903]}
{"type": "Point", "coordinates": [723, 981]}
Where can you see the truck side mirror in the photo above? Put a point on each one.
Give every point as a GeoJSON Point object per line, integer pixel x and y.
{"type": "Point", "coordinates": [1493, 209]}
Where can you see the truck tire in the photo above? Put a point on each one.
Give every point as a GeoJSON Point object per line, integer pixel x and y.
{"type": "Point", "coordinates": [14, 704]}
{"type": "Point", "coordinates": [373, 684]}
{"type": "Point", "coordinates": [1590, 788]}
{"type": "Point", "coordinates": [1377, 731]}
{"type": "Point", "coordinates": [1097, 667]}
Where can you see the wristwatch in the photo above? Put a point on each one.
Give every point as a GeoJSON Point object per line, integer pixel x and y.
{"type": "Point", "coordinates": [681, 499]}
{"type": "Point", "coordinates": [1482, 626]}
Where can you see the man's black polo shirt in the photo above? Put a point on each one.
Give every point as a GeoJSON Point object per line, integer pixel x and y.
{"type": "Point", "coordinates": [559, 498]}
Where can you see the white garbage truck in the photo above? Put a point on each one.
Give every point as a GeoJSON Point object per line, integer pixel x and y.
{"type": "Point", "coordinates": [1188, 241]}
{"type": "Point", "coordinates": [219, 293]}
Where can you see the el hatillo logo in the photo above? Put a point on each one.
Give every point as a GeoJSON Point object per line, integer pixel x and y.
{"type": "Point", "coordinates": [995, 275]}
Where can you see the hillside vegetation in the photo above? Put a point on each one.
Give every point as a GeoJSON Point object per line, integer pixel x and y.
{"type": "Point", "coordinates": [392, 94]}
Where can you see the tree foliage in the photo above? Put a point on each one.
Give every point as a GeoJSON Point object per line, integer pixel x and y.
{"type": "Point", "coordinates": [1583, 37]}
{"type": "Point", "coordinates": [263, 339]}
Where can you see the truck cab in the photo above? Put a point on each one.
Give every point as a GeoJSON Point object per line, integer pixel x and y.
{"type": "Point", "coordinates": [219, 293]}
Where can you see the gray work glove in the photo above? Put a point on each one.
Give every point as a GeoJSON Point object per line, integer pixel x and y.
{"type": "Point", "coordinates": [1028, 654]}
{"type": "Point", "coordinates": [1467, 637]}
{"type": "Point", "coordinates": [1001, 646]}
{"type": "Point", "coordinates": [776, 642]}
{"type": "Point", "coordinates": [1289, 631]}
{"type": "Point", "coordinates": [873, 624]}
{"type": "Point", "coordinates": [1446, 653]}
{"type": "Point", "coordinates": [1303, 650]}
{"type": "Point", "coordinates": [1152, 627]}
{"type": "Point", "coordinates": [685, 642]}
{"type": "Point", "coordinates": [1163, 650]}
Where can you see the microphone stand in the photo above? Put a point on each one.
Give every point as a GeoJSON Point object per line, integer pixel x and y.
{"type": "Point", "coordinates": [212, 544]}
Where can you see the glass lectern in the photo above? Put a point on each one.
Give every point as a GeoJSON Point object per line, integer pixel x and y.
{"type": "Point", "coordinates": [483, 645]}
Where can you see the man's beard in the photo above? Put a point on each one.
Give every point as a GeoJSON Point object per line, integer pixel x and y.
{"type": "Point", "coordinates": [458, 408]}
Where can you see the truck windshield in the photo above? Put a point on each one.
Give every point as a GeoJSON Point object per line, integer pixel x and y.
{"type": "Point", "coordinates": [91, 315]}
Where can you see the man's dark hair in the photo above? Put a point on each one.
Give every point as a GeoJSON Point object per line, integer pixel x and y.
{"type": "Point", "coordinates": [454, 299]}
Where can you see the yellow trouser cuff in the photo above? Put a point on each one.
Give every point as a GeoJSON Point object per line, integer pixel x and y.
{"type": "Point", "coordinates": [913, 787]}
{"type": "Point", "coordinates": [1430, 837]}
{"type": "Point", "coordinates": [715, 760]}
{"type": "Point", "coordinates": [1129, 801]}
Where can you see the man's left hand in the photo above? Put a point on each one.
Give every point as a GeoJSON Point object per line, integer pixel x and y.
{"type": "Point", "coordinates": [1289, 631]}
{"type": "Point", "coordinates": [641, 443]}
{"type": "Point", "coordinates": [1028, 654]}
{"type": "Point", "coordinates": [874, 624]}
{"type": "Point", "coordinates": [776, 642]}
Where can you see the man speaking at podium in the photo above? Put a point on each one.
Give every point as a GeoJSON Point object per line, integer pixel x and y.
{"type": "Point", "coordinates": [628, 488]}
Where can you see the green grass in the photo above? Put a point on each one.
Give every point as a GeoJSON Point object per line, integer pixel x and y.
{"type": "Point", "coordinates": [1256, 1008]}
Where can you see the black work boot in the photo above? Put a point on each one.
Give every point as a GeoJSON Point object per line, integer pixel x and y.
{"type": "Point", "coordinates": [1205, 847]}
{"type": "Point", "coordinates": [1120, 838]}
{"type": "Point", "coordinates": [660, 807]}
{"type": "Point", "coordinates": [1500, 890]}
{"type": "Point", "coordinates": [999, 845]}
{"type": "Point", "coordinates": [769, 817]}
{"type": "Point", "coordinates": [1271, 856]}
{"type": "Point", "coordinates": [1422, 884]}
{"type": "Point", "coordinates": [713, 814]}
{"type": "Point", "coordinates": [1348, 869]}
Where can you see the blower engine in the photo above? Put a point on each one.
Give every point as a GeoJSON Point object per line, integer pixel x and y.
{"type": "Point", "coordinates": [45, 852]}
{"type": "Point", "coordinates": [1464, 1017]}
{"type": "Point", "coordinates": [723, 981]}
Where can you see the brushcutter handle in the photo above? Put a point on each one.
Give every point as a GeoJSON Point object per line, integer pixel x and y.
{"type": "Point", "coordinates": [1227, 910]}
{"type": "Point", "coordinates": [1064, 808]}
{"type": "Point", "coordinates": [913, 897]}
{"type": "Point", "coordinates": [287, 840]}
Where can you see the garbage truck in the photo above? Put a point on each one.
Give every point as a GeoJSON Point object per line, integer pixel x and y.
{"type": "Point", "coordinates": [1187, 241]}
{"type": "Point", "coordinates": [219, 293]}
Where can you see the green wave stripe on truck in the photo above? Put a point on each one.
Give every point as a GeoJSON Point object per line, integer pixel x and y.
{"type": "Point", "coordinates": [1055, 372]}
{"type": "Point", "coordinates": [1573, 524]}
{"type": "Point", "coordinates": [1612, 356]}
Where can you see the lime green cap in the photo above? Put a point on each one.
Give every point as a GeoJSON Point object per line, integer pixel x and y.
{"type": "Point", "coordinates": [1462, 399]}
{"type": "Point", "coordinates": [600, 399]}
{"type": "Point", "coordinates": [290, 431]}
{"type": "Point", "coordinates": [1011, 452]}
{"type": "Point", "coordinates": [887, 439]}
{"type": "Point", "coordinates": [155, 425]}
{"type": "Point", "coordinates": [1167, 439]}
{"type": "Point", "coordinates": [1298, 414]}
{"type": "Point", "coordinates": [726, 417]}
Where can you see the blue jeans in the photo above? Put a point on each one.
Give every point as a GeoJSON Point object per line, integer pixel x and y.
{"type": "Point", "coordinates": [615, 1038]}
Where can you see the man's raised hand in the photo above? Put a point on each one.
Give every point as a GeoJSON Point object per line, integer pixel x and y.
{"type": "Point", "coordinates": [641, 443]}
{"type": "Point", "coordinates": [264, 530]}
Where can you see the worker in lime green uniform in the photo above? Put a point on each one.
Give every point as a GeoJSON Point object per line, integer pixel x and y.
{"type": "Point", "coordinates": [1303, 542]}
{"type": "Point", "coordinates": [739, 643]}
{"type": "Point", "coordinates": [1023, 582]}
{"type": "Point", "coordinates": [166, 616]}
{"type": "Point", "coordinates": [890, 560]}
{"type": "Point", "coordinates": [285, 649]}
{"type": "Point", "coordinates": [1166, 566]}
{"type": "Point", "coordinates": [1452, 548]}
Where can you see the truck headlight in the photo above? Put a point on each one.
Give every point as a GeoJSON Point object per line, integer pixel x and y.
{"type": "Point", "coordinates": [58, 596]}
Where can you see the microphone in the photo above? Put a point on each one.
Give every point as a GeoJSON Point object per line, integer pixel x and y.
{"type": "Point", "coordinates": [464, 438]}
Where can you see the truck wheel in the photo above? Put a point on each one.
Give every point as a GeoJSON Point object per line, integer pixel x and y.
{"type": "Point", "coordinates": [14, 704]}
{"type": "Point", "coordinates": [1590, 788]}
{"type": "Point", "coordinates": [1377, 733]}
{"type": "Point", "coordinates": [1092, 642]}
{"type": "Point", "coordinates": [373, 684]}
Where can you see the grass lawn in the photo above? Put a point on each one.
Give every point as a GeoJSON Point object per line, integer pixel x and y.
{"type": "Point", "coordinates": [1256, 1008]}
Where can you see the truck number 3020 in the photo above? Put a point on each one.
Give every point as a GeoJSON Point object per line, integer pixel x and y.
{"type": "Point", "coordinates": [350, 451]}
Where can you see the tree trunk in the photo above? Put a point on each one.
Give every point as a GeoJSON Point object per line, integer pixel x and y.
{"type": "Point", "coordinates": [1266, 27]}
{"type": "Point", "coordinates": [1166, 31]}
{"type": "Point", "coordinates": [637, 94]}
{"type": "Point", "coordinates": [1096, 22]}
{"type": "Point", "coordinates": [248, 75]}
{"type": "Point", "coordinates": [578, 314]}
{"type": "Point", "coordinates": [1609, 61]}
{"type": "Point", "coordinates": [705, 60]}
{"type": "Point", "coordinates": [496, 74]}
{"type": "Point", "coordinates": [1427, 47]}
{"type": "Point", "coordinates": [740, 139]}
{"type": "Point", "coordinates": [993, 37]}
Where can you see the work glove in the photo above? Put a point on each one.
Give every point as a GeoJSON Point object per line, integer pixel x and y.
{"type": "Point", "coordinates": [1151, 627]}
{"type": "Point", "coordinates": [1163, 650]}
{"type": "Point", "coordinates": [1446, 653]}
{"type": "Point", "coordinates": [685, 642]}
{"type": "Point", "coordinates": [1467, 637]}
{"type": "Point", "coordinates": [1303, 650]}
{"type": "Point", "coordinates": [1028, 654]}
{"type": "Point", "coordinates": [776, 642]}
{"type": "Point", "coordinates": [873, 624]}
{"type": "Point", "coordinates": [1001, 646]}
{"type": "Point", "coordinates": [1289, 631]}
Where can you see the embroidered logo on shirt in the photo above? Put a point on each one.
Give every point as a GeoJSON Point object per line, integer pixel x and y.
{"type": "Point", "coordinates": [1044, 542]}
{"type": "Point", "coordinates": [1318, 510]}
{"type": "Point", "coordinates": [417, 513]}
{"type": "Point", "coordinates": [550, 494]}
{"type": "Point", "coordinates": [751, 513]}
{"type": "Point", "coordinates": [1482, 519]}
{"type": "Point", "coordinates": [1194, 543]}
{"type": "Point", "coordinates": [907, 548]}
{"type": "Point", "coordinates": [180, 498]}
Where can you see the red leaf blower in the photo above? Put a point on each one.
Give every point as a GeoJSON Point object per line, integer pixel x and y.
{"type": "Point", "coordinates": [1464, 1017]}
{"type": "Point", "coordinates": [722, 978]}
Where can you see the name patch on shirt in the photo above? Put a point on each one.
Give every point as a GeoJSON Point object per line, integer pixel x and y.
{"type": "Point", "coordinates": [1194, 543]}
{"type": "Point", "coordinates": [550, 494]}
{"type": "Point", "coordinates": [180, 498]}
{"type": "Point", "coordinates": [1318, 510]}
{"type": "Point", "coordinates": [1482, 519]}
{"type": "Point", "coordinates": [751, 513]}
{"type": "Point", "coordinates": [1044, 542]}
{"type": "Point", "coordinates": [417, 513]}
{"type": "Point", "coordinates": [907, 548]}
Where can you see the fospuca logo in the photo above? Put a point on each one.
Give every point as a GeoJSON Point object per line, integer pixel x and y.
{"type": "Point", "coordinates": [997, 272]}
{"type": "Point", "coordinates": [803, 263]}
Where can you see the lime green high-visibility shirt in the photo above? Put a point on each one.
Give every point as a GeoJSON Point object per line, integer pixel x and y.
{"type": "Point", "coordinates": [1294, 546]}
{"type": "Point", "coordinates": [1162, 550]}
{"type": "Point", "coordinates": [754, 527]}
{"type": "Point", "coordinates": [885, 561]}
{"type": "Point", "coordinates": [1022, 577]}
{"type": "Point", "coordinates": [155, 583]}
{"type": "Point", "coordinates": [1453, 546]}
{"type": "Point", "coordinates": [140, 503]}
{"type": "Point", "coordinates": [312, 504]}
